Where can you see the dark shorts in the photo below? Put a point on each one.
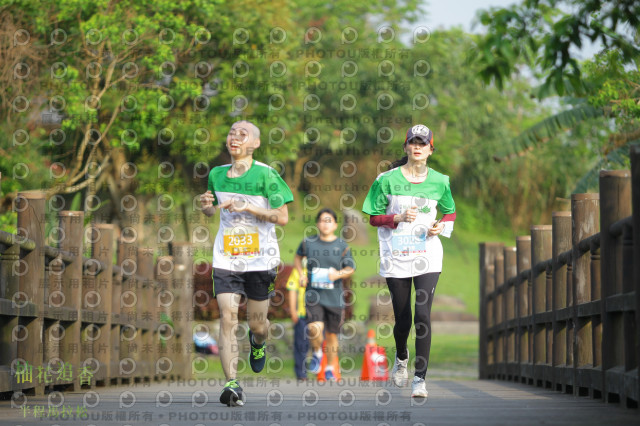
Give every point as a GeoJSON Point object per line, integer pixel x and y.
{"type": "Point", "coordinates": [330, 316]}
{"type": "Point", "coordinates": [255, 285]}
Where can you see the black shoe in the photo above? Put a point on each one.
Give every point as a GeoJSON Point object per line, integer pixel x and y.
{"type": "Point", "coordinates": [257, 355]}
{"type": "Point", "coordinates": [232, 394]}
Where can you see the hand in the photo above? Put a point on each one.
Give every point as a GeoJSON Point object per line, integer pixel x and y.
{"type": "Point", "coordinates": [409, 215]}
{"type": "Point", "coordinates": [237, 205]}
{"type": "Point", "coordinates": [303, 280]}
{"type": "Point", "coordinates": [437, 230]}
{"type": "Point", "coordinates": [294, 317]}
{"type": "Point", "coordinates": [334, 274]}
{"type": "Point", "coordinates": [206, 200]}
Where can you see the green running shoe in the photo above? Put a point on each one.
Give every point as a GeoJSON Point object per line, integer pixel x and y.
{"type": "Point", "coordinates": [257, 355]}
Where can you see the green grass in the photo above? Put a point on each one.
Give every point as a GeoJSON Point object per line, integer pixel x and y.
{"type": "Point", "coordinates": [278, 370]}
{"type": "Point", "coordinates": [452, 356]}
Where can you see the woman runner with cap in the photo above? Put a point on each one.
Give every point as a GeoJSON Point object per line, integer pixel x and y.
{"type": "Point", "coordinates": [402, 203]}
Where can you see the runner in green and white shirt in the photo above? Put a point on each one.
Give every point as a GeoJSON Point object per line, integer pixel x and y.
{"type": "Point", "coordinates": [252, 199]}
{"type": "Point", "coordinates": [403, 203]}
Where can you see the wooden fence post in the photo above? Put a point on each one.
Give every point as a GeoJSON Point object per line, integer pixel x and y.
{"type": "Point", "coordinates": [165, 366]}
{"type": "Point", "coordinates": [488, 255]}
{"type": "Point", "coordinates": [635, 197]}
{"type": "Point", "coordinates": [102, 251]}
{"type": "Point", "coordinates": [540, 251]}
{"type": "Point", "coordinates": [72, 224]}
{"type": "Point", "coordinates": [183, 253]}
{"type": "Point", "coordinates": [562, 315]}
{"type": "Point", "coordinates": [9, 288]}
{"type": "Point", "coordinates": [500, 325]}
{"type": "Point", "coordinates": [128, 368]}
{"type": "Point", "coordinates": [510, 303]}
{"type": "Point", "coordinates": [147, 300]}
{"type": "Point", "coordinates": [31, 221]}
{"type": "Point", "coordinates": [53, 326]}
{"type": "Point", "coordinates": [523, 251]}
{"type": "Point", "coordinates": [585, 213]}
{"type": "Point", "coordinates": [617, 325]}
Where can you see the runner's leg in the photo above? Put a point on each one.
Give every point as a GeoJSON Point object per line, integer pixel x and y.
{"type": "Point", "coordinates": [228, 345]}
{"type": "Point", "coordinates": [301, 347]}
{"type": "Point", "coordinates": [316, 331]}
{"type": "Point", "coordinates": [257, 318]}
{"type": "Point", "coordinates": [425, 290]}
{"type": "Point", "coordinates": [332, 347]}
{"type": "Point", "coordinates": [400, 289]}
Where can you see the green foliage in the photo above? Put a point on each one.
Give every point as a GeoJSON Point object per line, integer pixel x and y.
{"type": "Point", "coordinates": [8, 222]}
{"type": "Point", "coordinates": [134, 82]}
{"type": "Point", "coordinates": [544, 33]}
{"type": "Point", "coordinates": [548, 128]}
{"type": "Point", "coordinates": [614, 86]}
{"type": "Point", "coordinates": [617, 159]}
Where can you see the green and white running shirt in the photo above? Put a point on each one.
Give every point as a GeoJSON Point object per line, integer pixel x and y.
{"type": "Point", "coordinates": [408, 251]}
{"type": "Point", "coordinates": [245, 243]}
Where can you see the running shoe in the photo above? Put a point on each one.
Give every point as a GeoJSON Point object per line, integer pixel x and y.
{"type": "Point", "coordinates": [232, 394]}
{"type": "Point", "coordinates": [314, 364]}
{"type": "Point", "coordinates": [399, 373]}
{"type": "Point", "coordinates": [328, 376]}
{"type": "Point", "coordinates": [257, 355]}
{"type": "Point", "coordinates": [418, 388]}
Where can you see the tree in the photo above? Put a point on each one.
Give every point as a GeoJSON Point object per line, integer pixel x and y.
{"type": "Point", "coordinates": [137, 98]}
{"type": "Point", "coordinates": [545, 34]}
{"type": "Point", "coordinates": [126, 95]}
{"type": "Point", "coordinates": [471, 122]}
{"type": "Point", "coordinates": [601, 93]}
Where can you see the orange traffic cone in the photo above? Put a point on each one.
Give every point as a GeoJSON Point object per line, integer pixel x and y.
{"type": "Point", "coordinates": [374, 360]}
{"type": "Point", "coordinates": [323, 364]}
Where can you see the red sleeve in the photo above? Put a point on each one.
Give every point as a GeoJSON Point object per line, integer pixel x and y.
{"type": "Point", "coordinates": [448, 217]}
{"type": "Point", "coordinates": [385, 220]}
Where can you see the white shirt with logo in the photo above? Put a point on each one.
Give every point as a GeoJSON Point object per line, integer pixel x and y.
{"type": "Point", "coordinates": [408, 250]}
{"type": "Point", "coordinates": [245, 243]}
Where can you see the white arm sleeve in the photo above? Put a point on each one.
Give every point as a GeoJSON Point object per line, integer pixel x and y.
{"type": "Point", "coordinates": [448, 229]}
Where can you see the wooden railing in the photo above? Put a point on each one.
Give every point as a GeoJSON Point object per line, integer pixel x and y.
{"type": "Point", "coordinates": [560, 309]}
{"type": "Point", "coordinates": [68, 321]}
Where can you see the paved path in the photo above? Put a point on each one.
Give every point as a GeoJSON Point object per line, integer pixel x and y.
{"type": "Point", "coordinates": [451, 402]}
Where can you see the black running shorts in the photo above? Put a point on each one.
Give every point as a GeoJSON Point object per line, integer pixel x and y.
{"type": "Point", "coordinates": [330, 316]}
{"type": "Point", "coordinates": [255, 285]}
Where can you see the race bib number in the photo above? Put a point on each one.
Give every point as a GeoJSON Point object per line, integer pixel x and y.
{"type": "Point", "coordinates": [241, 241]}
{"type": "Point", "coordinates": [320, 278]}
{"type": "Point", "coordinates": [407, 242]}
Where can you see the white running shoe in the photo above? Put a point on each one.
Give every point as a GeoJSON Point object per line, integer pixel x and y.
{"type": "Point", "coordinates": [419, 388]}
{"type": "Point", "coordinates": [399, 373]}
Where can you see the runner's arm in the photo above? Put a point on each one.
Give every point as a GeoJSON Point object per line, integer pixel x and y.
{"type": "Point", "coordinates": [206, 201]}
{"type": "Point", "coordinates": [297, 262]}
{"type": "Point", "coordinates": [292, 298]}
{"type": "Point", "coordinates": [384, 220]}
{"type": "Point", "coordinates": [392, 220]}
{"type": "Point", "coordinates": [341, 274]}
